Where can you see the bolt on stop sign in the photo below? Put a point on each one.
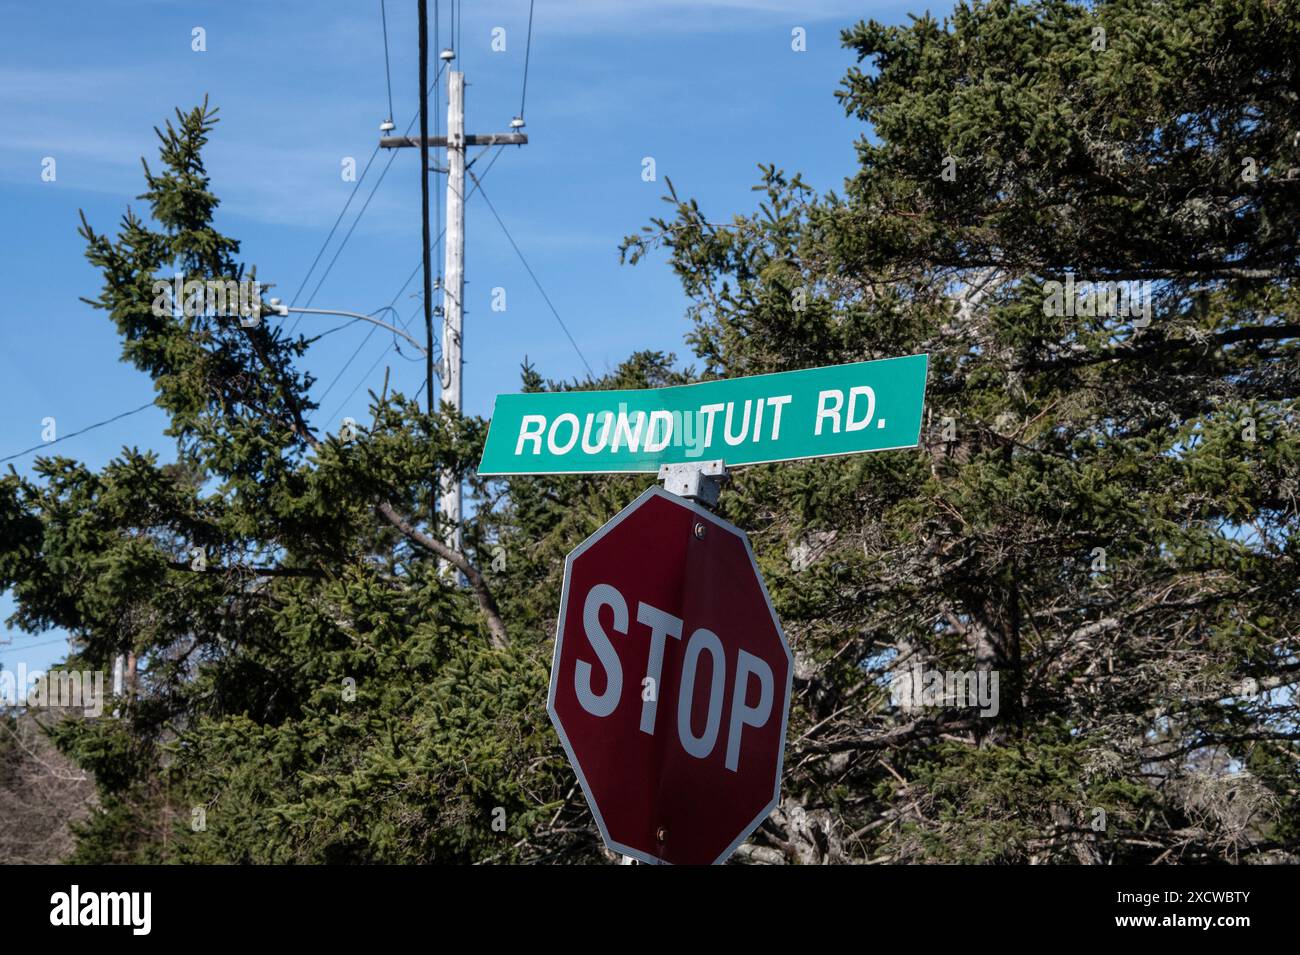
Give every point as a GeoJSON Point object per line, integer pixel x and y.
{"type": "Point", "coordinates": [670, 686]}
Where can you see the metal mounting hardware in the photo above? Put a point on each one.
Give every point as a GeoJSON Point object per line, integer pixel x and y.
{"type": "Point", "coordinates": [699, 481]}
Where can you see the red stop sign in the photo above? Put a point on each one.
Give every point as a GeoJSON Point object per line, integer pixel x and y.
{"type": "Point", "coordinates": [670, 686]}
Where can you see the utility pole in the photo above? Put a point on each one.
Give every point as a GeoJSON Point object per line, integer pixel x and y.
{"type": "Point", "coordinates": [424, 197]}
{"type": "Point", "coordinates": [453, 293]}
{"type": "Point", "coordinates": [454, 284]}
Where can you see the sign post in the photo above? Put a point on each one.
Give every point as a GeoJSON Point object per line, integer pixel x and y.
{"type": "Point", "coordinates": [701, 483]}
{"type": "Point", "coordinates": [670, 683]}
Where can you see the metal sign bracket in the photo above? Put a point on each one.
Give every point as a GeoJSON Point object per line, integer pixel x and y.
{"type": "Point", "coordinates": [698, 481]}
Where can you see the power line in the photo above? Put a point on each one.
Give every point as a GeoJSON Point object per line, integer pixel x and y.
{"type": "Point", "coordinates": [414, 272]}
{"type": "Point", "coordinates": [346, 365]}
{"type": "Point", "coordinates": [306, 277]}
{"type": "Point", "coordinates": [388, 73]}
{"type": "Point", "coordinates": [352, 195]}
{"type": "Point", "coordinates": [98, 424]}
{"type": "Point", "coordinates": [355, 221]}
{"type": "Point", "coordinates": [337, 328]}
{"type": "Point", "coordinates": [362, 211]}
{"type": "Point", "coordinates": [375, 364]}
{"type": "Point", "coordinates": [348, 235]}
{"type": "Point", "coordinates": [324, 245]}
{"type": "Point", "coordinates": [528, 49]}
{"type": "Point", "coordinates": [33, 646]}
{"type": "Point", "coordinates": [316, 261]}
{"type": "Point", "coordinates": [532, 274]}
{"type": "Point", "coordinates": [443, 232]}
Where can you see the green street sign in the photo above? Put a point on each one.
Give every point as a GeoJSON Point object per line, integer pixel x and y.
{"type": "Point", "coordinates": [843, 409]}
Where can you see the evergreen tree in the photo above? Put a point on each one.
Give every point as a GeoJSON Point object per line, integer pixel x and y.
{"type": "Point", "coordinates": [1105, 508]}
{"type": "Point", "coordinates": [305, 686]}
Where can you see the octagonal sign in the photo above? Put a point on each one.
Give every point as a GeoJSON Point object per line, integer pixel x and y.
{"type": "Point", "coordinates": [670, 686]}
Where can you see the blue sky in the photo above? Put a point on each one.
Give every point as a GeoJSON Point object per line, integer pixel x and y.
{"type": "Point", "coordinates": [709, 88]}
